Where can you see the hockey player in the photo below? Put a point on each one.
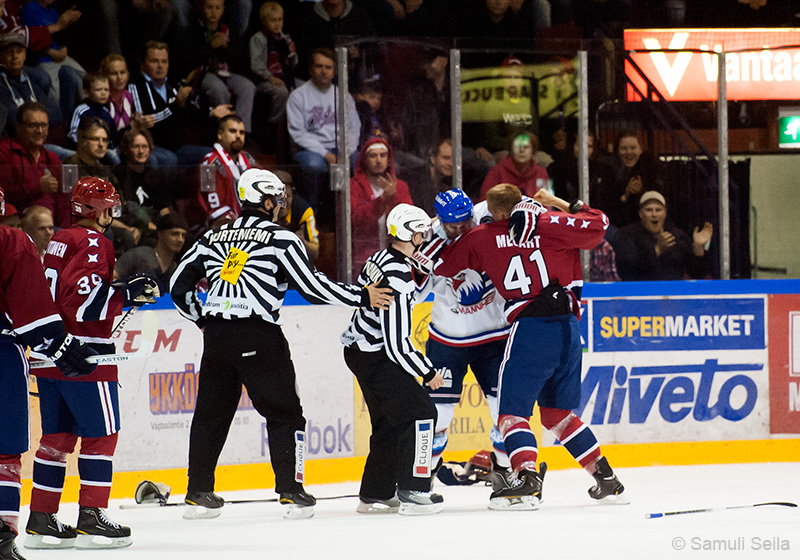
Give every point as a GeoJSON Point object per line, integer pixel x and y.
{"type": "Point", "coordinates": [27, 318]}
{"type": "Point", "coordinates": [79, 263]}
{"type": "Point", "coordinates": [249, 264]}
{"type": "Point", "coordinates": [379, 352]}
{"type": "Point", "coordinates": [467, 328]}
{"type": "Point", "coordinates": [533, 259]}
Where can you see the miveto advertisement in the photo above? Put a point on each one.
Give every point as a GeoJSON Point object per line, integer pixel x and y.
{"type": "Point", "coordinates": [676, 369]}
{"type": "Point", "coordinates": [158, 394]}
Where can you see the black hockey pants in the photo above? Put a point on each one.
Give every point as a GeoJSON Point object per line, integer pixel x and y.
{"type": "Point", "coordinates": [396, 401]}
{"type": "Point", "coordinates": [254, 353]}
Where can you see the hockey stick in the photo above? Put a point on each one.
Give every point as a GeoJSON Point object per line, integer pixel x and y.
{"type": "Point", "coordinates": [124, 321]}
{"type": "Point", "coordinates": [245, 501]}
{"type": "Point", "coordinates": [703, 510]}
{"type": "Point", "coordinates": [149, 332]}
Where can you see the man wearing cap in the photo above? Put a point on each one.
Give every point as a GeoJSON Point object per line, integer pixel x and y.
{"type": "Point", "coordinates": [159, 261]}
{"type": "Point", "coordinates": [374, 191]}
{"type": "Point", "coordinates": [16, 87]}
{"type": "Point", "coordinates": [654, 249]}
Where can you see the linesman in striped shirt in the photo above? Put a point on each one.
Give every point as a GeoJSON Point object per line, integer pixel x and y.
{"type": "Point", "coordinates": [379, 352]}
{"type": "Point", "coordinates": [249, 264]}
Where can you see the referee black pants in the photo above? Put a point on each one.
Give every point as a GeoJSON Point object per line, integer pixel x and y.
{"type": "Point", "coordinates": [253, 353]}
{"type": "Point", "coordinates": [396, 401]}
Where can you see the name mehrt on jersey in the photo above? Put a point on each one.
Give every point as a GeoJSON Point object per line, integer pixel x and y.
{"type": "Point", "coordinates": [504, 241]}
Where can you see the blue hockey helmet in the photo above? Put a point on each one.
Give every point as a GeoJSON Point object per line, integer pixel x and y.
{"type": "Point", "coordinates": [453, 206]}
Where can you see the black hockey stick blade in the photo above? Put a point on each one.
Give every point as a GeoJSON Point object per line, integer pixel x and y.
{"type": "Point", "coordinates": [242, 501]}
{"type": "Point", "coordinates": [704, 510]}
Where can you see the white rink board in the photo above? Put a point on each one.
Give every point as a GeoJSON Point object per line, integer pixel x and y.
{"type": "Point", "coordinates": [156, 410]}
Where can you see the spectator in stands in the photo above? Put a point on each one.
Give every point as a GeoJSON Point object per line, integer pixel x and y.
{"type": "Point", "coordinates": [329, 18]}
{"type": "Point", "coordinates": [273, 58]}
{"type": "Point", "coordinates": [518, 168]}
{"type": "Point", "coordinates": [31, 174]}
{"type": "Point", "coordinates": [92, 146]}
{"type": "Point", "coordinates": [489, 18]}
{"type": "Point", "coordinates": [120, 100]}
{"type": "Point", "coordinates": [229, 160]}
{"type": "Point", "coordinates": [636, 171]}
{"type": "Point", "coordinates": [311, 115]}
{"type": "Point", "coordinates": [564, 173]}
{"type": "Point", "coordinates": [532, 15]}
{"type": "Point", "coordinates": [66, 74]}
{"type": "Point", "coordinates": [603, 263]}
{"type": "Point", "coordinates": [161, 107]}
{"type": "Point", "coordinates": [95, 104]}
{"type": "Point", "coordinates": [368, 104]}
{"type": "Point", "coordinates": [37, 222]}
{"type": "Point", "coordinates": [298, 216]}
{"type": "Point", "coordinates": [159, 261]}
{"type": "Point", "coordinates": [236, 17]}
{"type": "Point", "coordinates": [208, 50]}
{"type": "Point", "coordinates": [16, 86]}
{"type": "Point", "coordinates": [435, 177]}
{"type": "Point", "coordinates": [654, 249]}
{"type": "Point", "coordinates": [145, 20]}
{"type": "Point", "coordinates": [147, 192]}
{"type": "Point", "coordinates": [374, 191]}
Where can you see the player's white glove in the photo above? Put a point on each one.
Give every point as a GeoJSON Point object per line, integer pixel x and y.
{"type": "Point", "coordinates": [523, 220]}
{"type": "Point", "coordinates": [424, 258]}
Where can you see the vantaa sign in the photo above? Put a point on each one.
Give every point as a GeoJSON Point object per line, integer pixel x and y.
{"type": "Point", "coordinates": [769, 71]}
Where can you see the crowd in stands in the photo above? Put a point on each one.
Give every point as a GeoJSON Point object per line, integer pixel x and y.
{"type": "Point", "coordinates": [148, 91]}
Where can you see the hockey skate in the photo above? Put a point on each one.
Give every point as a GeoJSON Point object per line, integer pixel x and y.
{"type": "Point", "coordinates": [8, 548]}
{"type": "Point", "coordinates": [297, 505]}
{"type": "Point", "coordinates": [414, 502]}
{"type": "Point", "coordinates": [96, 530]}
{"type": "Point", "coordinates": [202, 505]}
{"type": "Point", "coordinates": [516, 492]}
{"type": "Point", "coordinates": [369, 505]}
{"type": "Point", "coordinates": [45, 531]}
{"type": "Point", "coordinates": [608, 490]}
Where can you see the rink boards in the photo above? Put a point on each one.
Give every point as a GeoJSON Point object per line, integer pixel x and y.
{"type": "Point", "coordinates": [673, 373]}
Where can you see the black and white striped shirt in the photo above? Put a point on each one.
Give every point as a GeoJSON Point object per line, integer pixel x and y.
{"type": "Point", "coordinates": [372, 329]}
{"type": "Point", "coordinates": [249, 264]}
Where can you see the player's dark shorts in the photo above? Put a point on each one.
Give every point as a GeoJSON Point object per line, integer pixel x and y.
{"type": "Point", "coordinates": [84, 408]}
{"type": "Point", "coordinates": [484, 359]}
{"type": "Point", "coordinates": [542, 363]}
{"type": "Point", "coordinates": [15, 434]}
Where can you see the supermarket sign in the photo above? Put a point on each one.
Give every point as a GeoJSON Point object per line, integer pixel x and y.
{"type": "Point", "coordinates": [770, 71]}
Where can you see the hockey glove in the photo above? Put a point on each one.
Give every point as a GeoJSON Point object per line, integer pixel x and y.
{"type": "Point", "coordinates": [69, 355]}
{"type": "Point", "coordinates": [424, 258]}
{"type": "Point", "coordinates": [523, 221]}
{"type": "Point", "coordinates": [140, 290]}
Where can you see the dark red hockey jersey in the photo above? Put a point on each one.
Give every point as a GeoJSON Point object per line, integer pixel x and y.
{"type": "Point", "coordinates": [79, 264]}
{"type": "Point", "coordinates": [26, 305]}
{"type": "Point", "coordinates": [519, 272]}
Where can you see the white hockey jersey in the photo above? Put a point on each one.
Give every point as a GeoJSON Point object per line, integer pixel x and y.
{"type": "Point", "coordinates": [467, 310]}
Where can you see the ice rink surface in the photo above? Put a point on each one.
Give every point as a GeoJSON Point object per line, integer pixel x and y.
{"type": "Point", "coordinates": [568, 525]}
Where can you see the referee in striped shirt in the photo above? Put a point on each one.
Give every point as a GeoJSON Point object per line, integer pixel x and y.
{"type": "Point", "coordinates": [379, 352]}
{"type": "Point", "coordinates": [249, 264]}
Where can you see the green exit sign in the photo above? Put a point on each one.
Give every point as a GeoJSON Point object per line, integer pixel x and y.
{"type": "Point", "coordinates": [788, 130]}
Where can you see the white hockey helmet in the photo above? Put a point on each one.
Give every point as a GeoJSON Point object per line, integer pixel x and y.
{"type": "Point", "coordinates": [405, 220]}
{"type": "Point", "coordinates": [255, 185]}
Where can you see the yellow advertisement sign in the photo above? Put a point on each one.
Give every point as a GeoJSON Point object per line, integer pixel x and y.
{"type": "Point", "coordinates": [471, 424]}
{"type": "Point", "coordinates": [514, 94]}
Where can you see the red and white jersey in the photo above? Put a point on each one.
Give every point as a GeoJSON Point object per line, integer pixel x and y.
{"type": "Point", "coordinates": [519, 272]}
{"type": "Point", "coordinates": [227, 171]}
{"type": "Point", "coordinates": [467, 310]}
{"type": "Point", "coordinates": [79, 263]}
{"type": "Point", "coordinates": [27, 311]}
